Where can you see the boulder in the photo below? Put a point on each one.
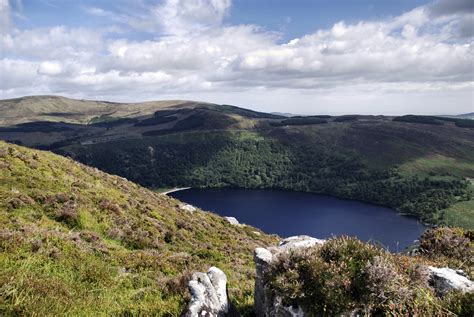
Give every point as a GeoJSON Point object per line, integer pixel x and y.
{"type": "Point", "coordinates": [233, 221]}
{"type": "Point", "coordinates": [445, 279]}
{"type": "Point", "coordinates": [188, 208]}
{"type": "Point", "coordinates": [298, 242]}
{"type": "Point", "coordinates": [266, 303]}
{"type": "Point", "coordinates": [209, 295]}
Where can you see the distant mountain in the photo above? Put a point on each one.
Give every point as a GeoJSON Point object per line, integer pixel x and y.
{"type": "Point", "coordinates": [284, 114]}
{"type": "Point", "coordinates": [469, 115]}
{"type": "Point", "coordinates": [61, 109]}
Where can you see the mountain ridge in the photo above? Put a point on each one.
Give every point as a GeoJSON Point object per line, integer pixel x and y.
{"type": "Point", "coordinates": [81, 111]}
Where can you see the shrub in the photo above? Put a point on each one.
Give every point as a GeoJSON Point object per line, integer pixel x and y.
{"type": "Point", "coordinates": [330, 278]}
{"type": "Point", "coordinates": [68, 214]}
{"type": "Point", "coordinates": [461, 304]}
{"type": "Point", "coordinates": [449, 242]}
{"type": "Point", "coordinates": [108, 205]}
{"type": "Point", "coordinates": [346, 274]}
{"type": "Point", "coordinates": [384, 283]}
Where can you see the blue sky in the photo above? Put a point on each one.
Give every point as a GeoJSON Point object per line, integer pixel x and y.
{"type": "Point", "coordinates": [291, 18]}
{"type": "Point", "coordinates": [302, 56]}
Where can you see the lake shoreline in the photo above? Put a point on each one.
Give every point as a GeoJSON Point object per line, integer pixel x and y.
{"type": "Point", "coordinates": [174, 190]}
{"type": "Point", "coordinates": [399, 212]}
{"type": "Point", "coordinates": [288, 213]}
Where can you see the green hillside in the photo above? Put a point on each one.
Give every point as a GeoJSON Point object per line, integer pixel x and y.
{"type": "Point", "coordinates": [337, 159]}
{"type": "Point", "coordinates": [77, 241]}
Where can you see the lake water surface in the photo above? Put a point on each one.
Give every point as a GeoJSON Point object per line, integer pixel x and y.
{"type": "Point", "coordinates": [288, 213]}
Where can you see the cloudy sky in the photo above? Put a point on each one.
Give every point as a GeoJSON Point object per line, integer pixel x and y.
{"type": "Point", "coordinates": [298, 56]}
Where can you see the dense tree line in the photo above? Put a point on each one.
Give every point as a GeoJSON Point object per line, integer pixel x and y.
{"type": "Point", "coordinates": [299, 121]}
{"type": "Point", "coordinates": [220, 160]}
{"type": "Point", "coordinates": [419, 119]}
{"type": "Point", "coordinates": [462, 123]}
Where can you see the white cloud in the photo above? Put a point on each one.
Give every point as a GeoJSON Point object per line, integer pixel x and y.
{"type": "Point", "coordinates": [97, 11]}
{"type": "Point", "coordinates": [194, 55]}
{"type": "Point", "coordinates": [179, 17]}
{"type": "Point", "coordinates": [55, 42]}
{"type": "Point", "coordinates": [15, 74]}
{"type": "Point", "coordinates": [5, 16]}
{"type": "Point", "coordinates": [50, 68]}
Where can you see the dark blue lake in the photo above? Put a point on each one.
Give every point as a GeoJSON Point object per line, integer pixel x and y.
{"type": "Point", "coordinates": [288, 213]}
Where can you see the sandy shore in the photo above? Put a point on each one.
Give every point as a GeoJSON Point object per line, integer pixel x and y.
{"type": "Point", "coordinates": [174, 190]}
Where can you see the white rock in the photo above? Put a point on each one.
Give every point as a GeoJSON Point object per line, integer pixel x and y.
{"type": "Point", "coordinates": [188, 207]}
{"type": "Point", "coordinates": [233, 221]}
{"type": "Point", "coordinates": [446, 279]}
{"type": "Point", "coordinates": [298, 242]}
{"type": "Point", "coordinates": [263, 255]}
{"type": "Point", "coordinates": [208, 294]}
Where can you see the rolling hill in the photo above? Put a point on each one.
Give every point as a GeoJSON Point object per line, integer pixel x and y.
{"type": "Point", "coordinates": [61, 109]}
{"type": "Point", "coordinates": [422, 165]}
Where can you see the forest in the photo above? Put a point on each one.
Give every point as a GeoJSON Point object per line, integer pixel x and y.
{"type": "Point", "coordinates": [237, 160]}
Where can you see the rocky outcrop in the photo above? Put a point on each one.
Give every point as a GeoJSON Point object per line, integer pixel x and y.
{"type": "Point", "coordinates": [209, 295]}
{"type": "Point", "coordinates": [445, 279]}
{"type": "Point", "coordinates": [266, 303]}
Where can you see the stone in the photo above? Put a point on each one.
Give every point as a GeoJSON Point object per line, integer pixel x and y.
{"type": "Point", "coordinates": [298, 242]}
{"type": "Point", "coordinates": [265, 302]}
{"type": "Point", "coordinates": [188, 207]}
{"type": "Point", "coordinates": [445, 279]}
{"type": "Point", "coordinates": [209, 295]}
{"type": "Point", "coordinates": [233, 221]}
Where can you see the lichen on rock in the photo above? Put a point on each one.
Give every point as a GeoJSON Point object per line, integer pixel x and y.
{"type": "Point", "coordinates": [209, 295]}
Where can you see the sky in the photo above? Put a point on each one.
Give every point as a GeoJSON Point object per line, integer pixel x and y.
{"type": "Point", "coordinates": [298, 56]}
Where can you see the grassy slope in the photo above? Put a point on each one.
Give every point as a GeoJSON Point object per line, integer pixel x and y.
{"type": "Point", "coordinates": [74, 240]}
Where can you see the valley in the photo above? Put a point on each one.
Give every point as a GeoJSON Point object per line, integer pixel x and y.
{"type": "Point", "coordinates": [423, 167]}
